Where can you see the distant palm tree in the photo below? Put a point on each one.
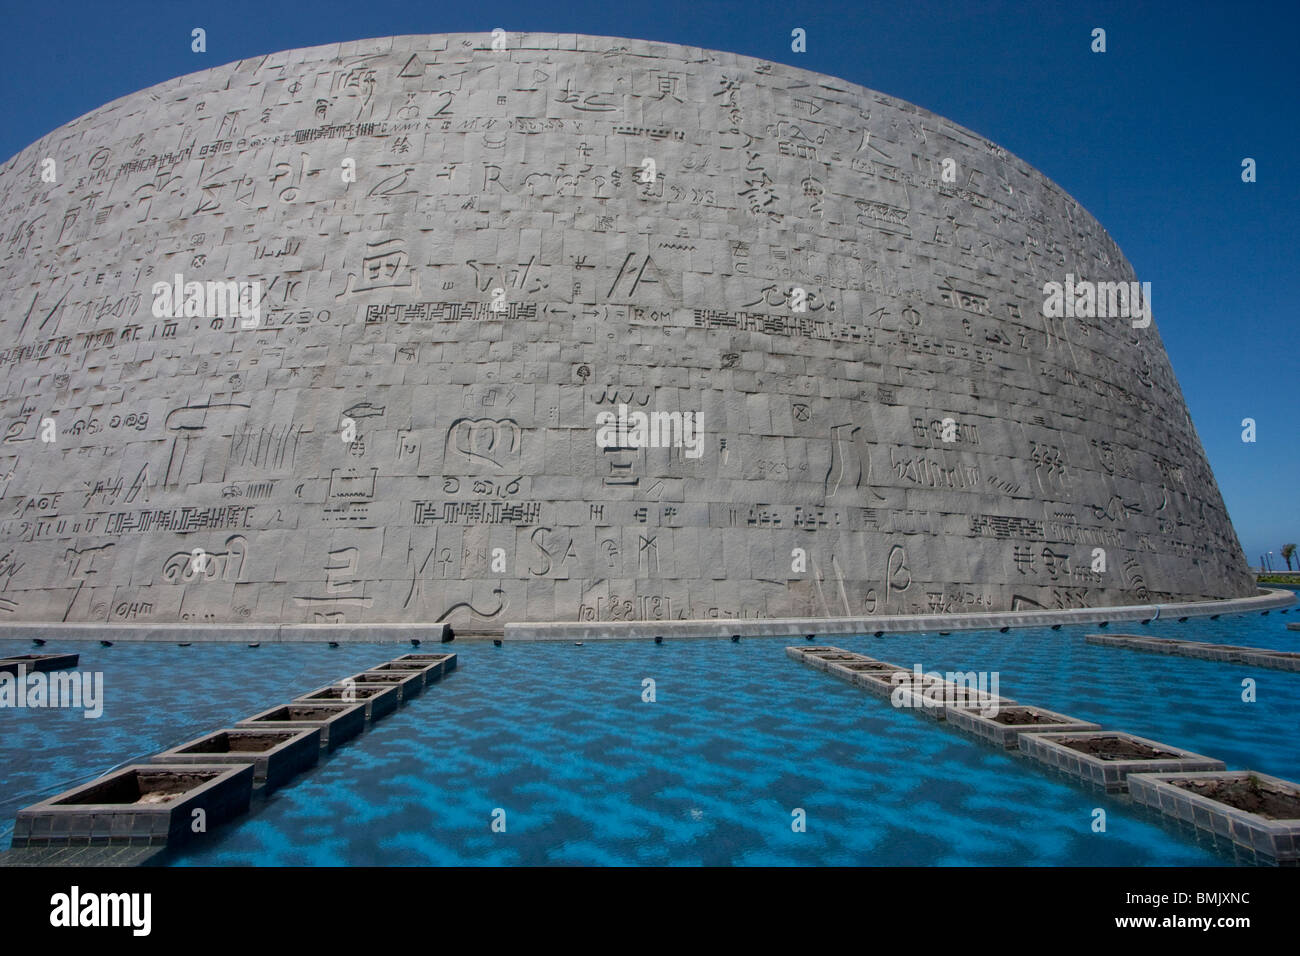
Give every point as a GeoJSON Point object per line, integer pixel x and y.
{"type": "Point", "coordinates": [1288, 551]}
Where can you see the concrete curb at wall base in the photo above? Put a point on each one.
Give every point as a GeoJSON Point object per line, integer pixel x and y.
{"type": "Point", "coordinates": [1267, 599]}
{"type": "Point", "coordinates": [231, 633]}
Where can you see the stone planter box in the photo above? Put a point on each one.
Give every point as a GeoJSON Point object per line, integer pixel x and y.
{"type": "Point", "coordinates": [380, 700]}
{"type": "Point", "coordinates": [871, 676]}
{"type": "Point", "coordinates": [874, 681]}
{"type": "Point", "coordinates": [39, 662]}
{"type": "Point", "coordinates": [446, 662]}
{"type": "Point", "coordinates": [865, 664]}
{"type": "Point", "coordinates": [823, 658]}
{"type": "Point", "coordinates": [142, 805]}
{"type": "Point", "coordinates": [408, 684]}
{"type": "Point", "coordinates": [840, 663]}
{"type": "Point", "coordinates": [878, 682]}
{"type": "Point", "coordinates": [428, 671]}
{"type": "Point", "coordinates": [1228, 653]}
{"type": "Point", "coordinates": [277, 756]}
{"type": "Point", "coordinates": [1110, 771]}
{"type": "Point", "coordinates": [812, 655]}
{"type": "Point", "coordinates": [876, 677]}
{"type": "Point", "coordinates": [1275, 838]}
{"type": "Point", "coordinates": [853, 668]}
{"type": "Point", "coordinates": [847, 669]}
{"type": "Point", "coordinates": [837, 656]}
{"type": "Point", "coordinates": [1001, 731]}
{"type": "Point", "coordinates": [918, 697]}
{"type": "Point", "coordinates": [1293, 626]}
{"type": "Point", "coordinates": [338, 722]}
{"type": "Point", "coordinates": [1254, 656]}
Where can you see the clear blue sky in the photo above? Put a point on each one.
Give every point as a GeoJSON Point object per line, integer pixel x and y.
{"type": "Point", "coordinates": [1149, 137]}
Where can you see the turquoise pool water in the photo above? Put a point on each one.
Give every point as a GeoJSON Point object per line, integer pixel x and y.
{"type": "Point", "coordinates": [559, 738]}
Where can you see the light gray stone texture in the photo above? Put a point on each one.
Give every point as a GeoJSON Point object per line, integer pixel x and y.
{"type": "Point", "coordinates": [475, 491]}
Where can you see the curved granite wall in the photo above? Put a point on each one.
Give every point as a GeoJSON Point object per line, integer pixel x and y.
{"type": "Point", "coordinates": [460, 264]}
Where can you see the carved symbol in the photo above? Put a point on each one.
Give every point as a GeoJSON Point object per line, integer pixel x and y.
{"type": "Point", "coordinates": [896, 565]}
{"type": "Point", "coordinates": [819, 578]}
{"type": "Point", "coordinates": [382, 267]}
{"type": "Point", "coordinates": [1056, 564]}
{"type": "Point", "coordinates": [1019, 602]}
{"type": "Point", "coordinates": [650, 548]}
{"type": "Point", "coordinates": [616, 397]}
{"type": "Point", "coordinates": [363, 410]}
{"type": "Point", "coordinates": [634, 271]}
{"type": "Point", "coordinates": [352, 485]}
{"type": "Point", "coordinates": [194, 417]}
{"type": "Point", "coordinates": [501, 606]}
{"type": "Point", "coordinates": [274, 446]}
{"type": "Point", "coordinates": [341, 569]}
{"type": "Point", "coordinates": [414, 67]}
{"type": "Point", "coordinates": [227, 565]}
{"type": "Point", "coordinates": [850, 462]}
{"type": "Point", "coordinates": [800, 411]}
{"type": "Point", "coordinates": [74, 557]}
{"type": "Point", "coordinates": [487, 441]}
{"type": "Point", "coordinates": [389, 186]}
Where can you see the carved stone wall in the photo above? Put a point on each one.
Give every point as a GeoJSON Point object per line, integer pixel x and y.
{"type": "Point", "coordinates": [889, 424]}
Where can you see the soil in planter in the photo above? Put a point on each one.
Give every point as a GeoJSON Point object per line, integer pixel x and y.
{"type": "Point", "coordinates": [236, 742]}
{"type": "Point", "coordinates": [347, 694]}
{"type": "Point", "coordinates": [1114, 748]}
{"type": "Point", "coordinates": [139, 787]}
{"type": "Point", "coordinates": [1018, 716]}
{"type": "Point", "coordinates": [1248, 796]}
{"type": "Point", "coordinates": [297, 712]}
